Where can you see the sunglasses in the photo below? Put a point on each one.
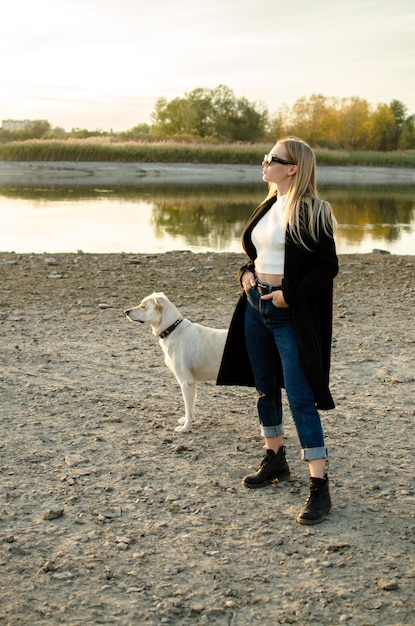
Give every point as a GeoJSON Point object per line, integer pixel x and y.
{"type": "Point", "coordinates": [269, 158]}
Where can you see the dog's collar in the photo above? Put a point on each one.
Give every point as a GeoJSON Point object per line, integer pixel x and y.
{"type": "Point", "coordinates": [170, 329]}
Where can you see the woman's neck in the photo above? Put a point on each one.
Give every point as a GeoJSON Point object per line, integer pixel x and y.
{"type": "Point", "coordinates": [282, 189]}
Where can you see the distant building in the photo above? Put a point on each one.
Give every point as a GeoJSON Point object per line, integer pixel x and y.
{"type": "Point", "coordinates": [16, 125]}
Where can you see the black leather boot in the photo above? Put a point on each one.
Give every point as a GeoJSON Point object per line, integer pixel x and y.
{"type": "Point", "coordinates": [273, 468]}
{"type": "Point", "coordinates": [318, 503]}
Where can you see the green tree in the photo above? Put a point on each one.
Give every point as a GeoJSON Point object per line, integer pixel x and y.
{"type": "Point", "coordinates": [84, 133]}
{"type": "Point", "coordinates": [404, 132]}
{"type": "Point", "coordinates": [172, 118]}
{"type": "Point", "coordinates": [213, 113]}
{"type": "Point", "coordinates": [407, 134]}
{"type": "Point", "coordinates": [383, 129]}
{"type": "Point", "coordinates": [138, 132]}
{"type": "Point", "coordinates": [276, 125]}
{"type": "Point", "coordinates": [202, 113]}
{"type": "Point", "coordinates": [57, 133]}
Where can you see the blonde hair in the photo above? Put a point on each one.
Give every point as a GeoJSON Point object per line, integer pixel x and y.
{"type": "Point", "coordinates": [305, 212]}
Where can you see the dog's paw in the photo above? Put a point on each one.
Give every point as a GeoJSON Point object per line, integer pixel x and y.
{"type": "Point", "coordinates": [181, 420]}
{"type": "Point", "coordinates": [182, 429]}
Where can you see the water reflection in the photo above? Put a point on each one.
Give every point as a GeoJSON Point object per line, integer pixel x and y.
{"type": "Point", "coordinates": [386, 214]}
{"type": "Point", "coordinates": [216, 224]}
{"type": "Point", "coordinates": [199, 218]}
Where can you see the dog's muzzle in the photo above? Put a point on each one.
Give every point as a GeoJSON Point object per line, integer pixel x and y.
{"type": "Point", "coordinates": [127, 314]}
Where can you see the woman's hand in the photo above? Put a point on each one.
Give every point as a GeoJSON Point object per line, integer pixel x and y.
{"type": "Point", "coordinates": [277, 298]}
{"type": "Point", "coordinates": [248, 281]}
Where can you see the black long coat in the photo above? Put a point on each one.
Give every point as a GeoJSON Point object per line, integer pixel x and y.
{"type": "Point", "coordinates": [308, 290]}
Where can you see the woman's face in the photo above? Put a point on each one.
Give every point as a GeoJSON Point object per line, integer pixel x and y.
{"type": "Point", "coordinates": [279, 173]}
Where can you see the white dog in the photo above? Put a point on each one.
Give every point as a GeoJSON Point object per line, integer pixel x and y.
{"type": "Point", "coordinates": [192, 352]}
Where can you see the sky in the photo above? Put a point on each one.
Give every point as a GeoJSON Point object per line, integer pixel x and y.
{"type": "Point", "coordinates": [102, 64]}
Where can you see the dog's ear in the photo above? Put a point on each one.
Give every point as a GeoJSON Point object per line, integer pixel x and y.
{"type": "Point", "coordinates": [158, 304]}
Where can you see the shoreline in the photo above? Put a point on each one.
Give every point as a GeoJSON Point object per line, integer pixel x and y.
{"type": "Point", "coordinates": [64, 173]}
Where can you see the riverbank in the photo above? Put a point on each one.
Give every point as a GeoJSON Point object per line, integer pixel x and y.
{"type": "Point", "coordinates": [107, 516]}
{"type": "Point", "coordinates": [65, 173]}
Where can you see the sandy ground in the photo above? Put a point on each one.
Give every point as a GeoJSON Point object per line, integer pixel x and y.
{"type": "Point", "coordinates": [102, 174]}
{"type": "Point", "coordinates": [107, 516]}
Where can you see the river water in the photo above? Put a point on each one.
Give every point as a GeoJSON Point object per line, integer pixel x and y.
{"type": "Point", "coordinates": [200, 218]}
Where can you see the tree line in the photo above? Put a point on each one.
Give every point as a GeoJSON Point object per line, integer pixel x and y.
{"type": "Point", "coordinates": [346, 123]}
{"type": "Point", "coordinates": [217, 115]}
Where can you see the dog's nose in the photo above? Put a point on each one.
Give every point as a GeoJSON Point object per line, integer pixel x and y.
{"type": "Point", "coordinates": [127, 312]}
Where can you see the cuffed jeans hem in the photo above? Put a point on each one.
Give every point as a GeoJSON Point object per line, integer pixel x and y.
{"type": "Point", "coordinates": [311, 454]}
{"type": "Point", "coordinates": [272, 431]}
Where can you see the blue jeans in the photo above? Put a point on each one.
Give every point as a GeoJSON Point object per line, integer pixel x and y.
{"type": "Point", "coordinates": [269, 331]}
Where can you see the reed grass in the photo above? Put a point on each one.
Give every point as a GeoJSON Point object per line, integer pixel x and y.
{"type": "Point", "coordinates": [92, 150]}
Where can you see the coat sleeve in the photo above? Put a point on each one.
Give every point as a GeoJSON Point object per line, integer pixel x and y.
{"type": "Point", "coordinates": [315, 269]}
{"type": "Point", "coordinates": [249, 266]}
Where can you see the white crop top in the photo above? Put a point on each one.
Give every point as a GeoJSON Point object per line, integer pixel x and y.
{"type": "Point", "coordinates": [268, 237]}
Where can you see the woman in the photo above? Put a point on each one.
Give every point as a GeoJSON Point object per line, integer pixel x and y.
{"type": "Point", "coordinates": [280, 334]}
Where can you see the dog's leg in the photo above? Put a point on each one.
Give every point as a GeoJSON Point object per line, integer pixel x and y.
{"type": "Point", "coordinates": [189, 392]}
